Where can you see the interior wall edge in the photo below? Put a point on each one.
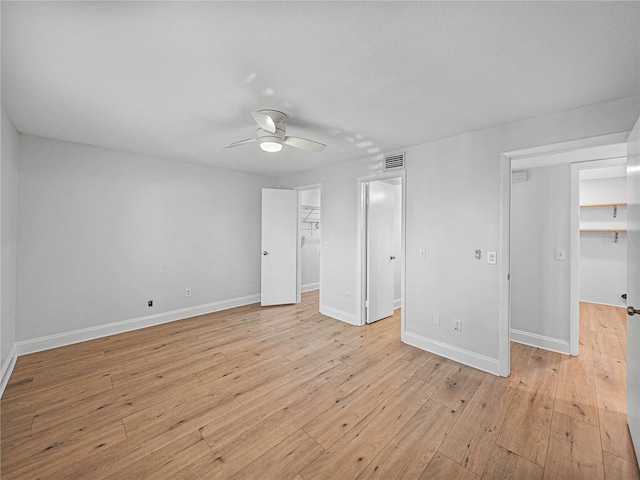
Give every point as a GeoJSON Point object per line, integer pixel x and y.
{"type": "Point", "coordinates": [603, 303]}
{"type": "Point", "coordinates": [460, 355]}
{"type": "Point", "coordinates": [341, 315]}
{"type": "Point", "coordinates": [309, 287]}
{"type": "Point", "coordinates": [541, 341]}
{"type": "Point", "coordinates": [85, 334]}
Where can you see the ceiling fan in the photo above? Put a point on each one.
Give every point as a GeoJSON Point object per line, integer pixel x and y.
{"type": "Point", "coordinates": [271, 134]}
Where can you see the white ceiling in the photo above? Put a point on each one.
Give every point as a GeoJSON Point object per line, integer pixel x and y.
{"type": "Point", "coordinates": [178, 80]}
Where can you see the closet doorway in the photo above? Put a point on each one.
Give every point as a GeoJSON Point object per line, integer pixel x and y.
{"type": "Point", "coordinates": [603, 232]}
{"type": "Point", "coordinates": [310, 238]}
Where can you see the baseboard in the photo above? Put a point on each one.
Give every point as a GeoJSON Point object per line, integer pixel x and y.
{"type": "Point", "coordinates": [85, 334]}
{"type": "Point", "coordinates": [605, 304]}
{"type": "Point", "coordinates": [540, 341]}
{"type": "Point", "coordinates": [472, 359]}
{"type": "Point", "coordinates": [397, 303]}
{"type": "Point", "coordinates": [340, 315]}
{"type": "Point", "coordinates": [7, 368]}
{"type": "Point", "coordinates": [310, 286]}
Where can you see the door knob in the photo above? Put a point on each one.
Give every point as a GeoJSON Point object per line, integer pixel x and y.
{"type": "Point", "coordinates": [632, 311]}
{"type": "Point", "coordinates": [265, 253]}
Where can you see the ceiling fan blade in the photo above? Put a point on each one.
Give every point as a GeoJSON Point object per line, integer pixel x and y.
{"type": "Point", "coordinates": [264, 121]}
{"type": "Point", "coordinates": [305, 144]}
{"type": "Point", "coordinates": [241, 142]}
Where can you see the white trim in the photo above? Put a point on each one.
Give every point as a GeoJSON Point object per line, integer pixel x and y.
{"type": "Point", "coordinates": [403, 251]}
{"type": "Point", "coordinates": [475, 360]}
{"type": "Point", "coordinates": [7, 368]}
{"type": "Point", "coordinates": [540, 341]}
{"type": "Point", "coordinates": [361, 253]}
{"type": "Point", "coordinates": [349, 318]}
{"type": "Point", "coordinates": [569, 146]}
{"type": "Point", "coordinates": [606, 304]}
{"type": "Point", "coordinates": [574, 261]}
{"type": "Point", "coordinates": [504, 282]}
{"type": "Point", "coordinates": [91, 333]}
{"type": "Point", "coordinates": [310, 286]}
{"type": "Point", "coordinates": [397, 303]}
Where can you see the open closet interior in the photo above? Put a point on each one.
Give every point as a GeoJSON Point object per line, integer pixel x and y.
{"type": "Point", "coordinates": [310, 239]}
{"type": "Point", "coordinates": [603, 235]}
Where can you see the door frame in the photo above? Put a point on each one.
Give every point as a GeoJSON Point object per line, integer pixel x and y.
{"type": "Point", "coordinates": [299, 249]}
{"type": "Point", "coordinates": [361, 256]}
{"type": "Point", "coordinates": [573, 151]}
{"type": "Point", "coordinates": [633, 373]}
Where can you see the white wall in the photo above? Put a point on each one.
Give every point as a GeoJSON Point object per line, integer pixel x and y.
{"type": "Point", "coordinates": [603, 262]}
{"type": "Point", "coordinates": [101, 232]}
{"type": "Point", "coordinates": [453, 202]}
{"type": "Point", "coordinates": [8, 212]}
{"type": "Point", "coordinates": [310, 236]}
{"type": "Point", "coordinates": [540, 223]}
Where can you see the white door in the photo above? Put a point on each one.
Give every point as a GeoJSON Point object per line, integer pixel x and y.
{"type": "Point", "coordinates": [380, 258]}
{"type": "Point", "coordinates": [279, 267]}
{"type": "Point", "coordinates": [633, 285]}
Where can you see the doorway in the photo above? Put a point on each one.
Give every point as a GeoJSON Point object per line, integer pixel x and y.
{"type": "Point", "coordinates": [603, 232]}
{"type": "Point", "coordinates": [381, 235]}
{"type": "Point", "coordinates": [310, 239]}
{"type": "Point", "coordinates": [544, 238]}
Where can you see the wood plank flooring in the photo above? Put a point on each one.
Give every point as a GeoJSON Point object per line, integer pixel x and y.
{"type": "Point", "coordinates": [285, 393]}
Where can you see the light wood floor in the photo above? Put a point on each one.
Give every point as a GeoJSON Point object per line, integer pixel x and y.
{"type": "Point", "coordinates": [285, 393]}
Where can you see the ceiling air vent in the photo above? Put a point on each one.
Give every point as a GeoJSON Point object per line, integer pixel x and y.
{"type": "Point", "coordinates": [394, 161]}
{"type": "Point", "coordinates": [519, 177]}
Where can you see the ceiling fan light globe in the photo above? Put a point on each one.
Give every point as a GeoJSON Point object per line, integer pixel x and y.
{"type": "Point", "coordinates": [270, 146]}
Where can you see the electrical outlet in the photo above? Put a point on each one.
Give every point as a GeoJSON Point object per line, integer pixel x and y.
{"type": "Point", "coordinates": [492, 258]}
{"type": "Point", "coordinates": [457, 325]}
{"type": "Point", "coordinates": [150, 303]}
{"type": "Point", "coordinates": [436, 319]}
{"type": "Point", "coordinates": [187, 292]}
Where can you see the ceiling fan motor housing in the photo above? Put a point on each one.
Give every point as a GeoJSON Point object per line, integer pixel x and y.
{"type": "Point", "coordinates": [263, 135]}
{"type": "Point", "coordinates": [272, 142]}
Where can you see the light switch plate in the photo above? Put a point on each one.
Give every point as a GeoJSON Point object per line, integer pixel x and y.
{"type": "Point", "coordinates": [561, 254]}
